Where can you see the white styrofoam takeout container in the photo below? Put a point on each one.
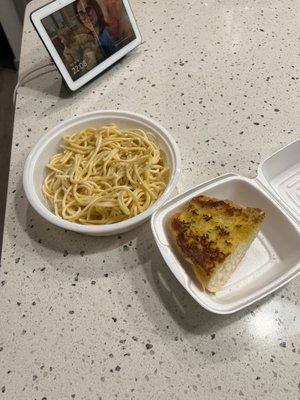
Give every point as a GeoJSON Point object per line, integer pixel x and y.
{"type": "Point", "coordinates": [35, 166]}
{"type": "Point", "coordinates": [273, 259]}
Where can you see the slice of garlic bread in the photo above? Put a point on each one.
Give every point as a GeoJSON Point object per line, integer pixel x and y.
{"type": "Point", "coordinates": [214, 235]}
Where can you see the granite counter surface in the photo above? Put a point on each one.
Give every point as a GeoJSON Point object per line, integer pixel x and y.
{"type": "Point", "coordinates": [103, 318]}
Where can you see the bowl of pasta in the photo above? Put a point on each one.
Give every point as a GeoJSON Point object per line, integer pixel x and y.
{"type": "Point", "coordinates": [102, 173]}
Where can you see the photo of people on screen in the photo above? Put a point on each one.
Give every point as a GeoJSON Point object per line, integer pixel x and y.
{"type": "Point", "coordinates": [86, 32]}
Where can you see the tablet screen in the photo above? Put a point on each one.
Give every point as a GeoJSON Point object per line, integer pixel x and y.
{"type": "Point", "coordinates": [87, 32]}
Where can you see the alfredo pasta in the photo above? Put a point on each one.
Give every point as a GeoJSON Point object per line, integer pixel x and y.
{"type": "Point", "coordinates": [105, 175]}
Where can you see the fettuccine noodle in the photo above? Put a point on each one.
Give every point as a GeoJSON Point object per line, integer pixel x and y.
{"type": "Point", "coordinates": [105, 175]}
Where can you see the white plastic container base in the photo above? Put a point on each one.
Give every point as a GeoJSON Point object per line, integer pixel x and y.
{"type": "Point", "coordinates": [273, 258]}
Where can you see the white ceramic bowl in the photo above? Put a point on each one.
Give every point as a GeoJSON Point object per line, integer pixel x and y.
{"type": "Point", "coordinates": [34, 171]}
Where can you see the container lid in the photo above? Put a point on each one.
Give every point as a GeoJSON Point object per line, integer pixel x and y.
{"type": "Point", "coordinates": [280, 174]}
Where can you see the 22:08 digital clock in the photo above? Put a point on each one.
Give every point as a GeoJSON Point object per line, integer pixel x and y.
{"type": "Point", "coordinates": [78, 67]}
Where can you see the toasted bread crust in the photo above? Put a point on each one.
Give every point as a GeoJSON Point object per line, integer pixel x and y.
{"type": "Point", "coordinates": [209, 230]}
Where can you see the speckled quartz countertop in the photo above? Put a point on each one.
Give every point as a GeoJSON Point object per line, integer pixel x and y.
{"type": "Point", "coordinates": [103, 318]}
